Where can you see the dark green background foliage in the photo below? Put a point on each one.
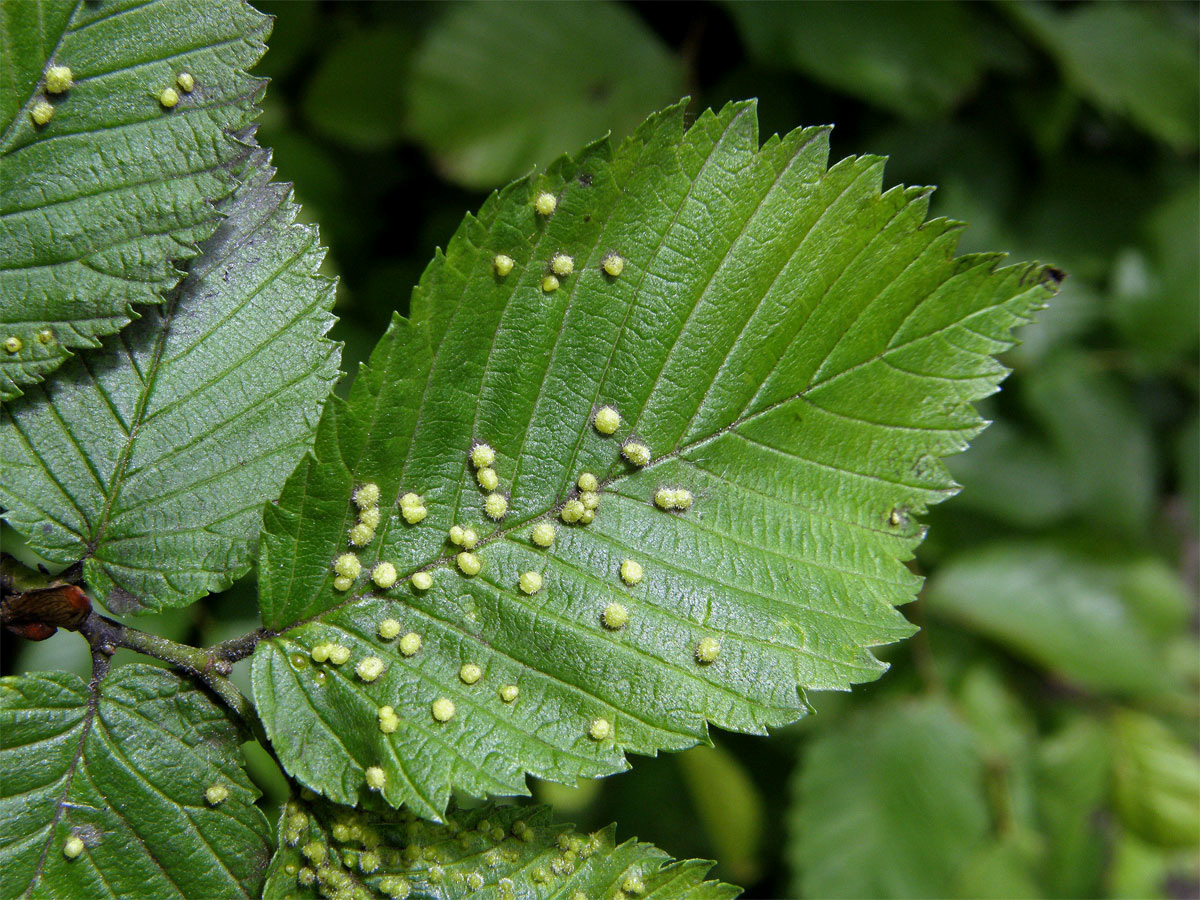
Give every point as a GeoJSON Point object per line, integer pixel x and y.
{"type": "Point", "coordinates": [1037, 737]}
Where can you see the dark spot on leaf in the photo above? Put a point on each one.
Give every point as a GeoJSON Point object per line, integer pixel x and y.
{"type": "Point", "coordinates": [121, 601]}
{"type": "Point", "coordinates": [1054, 275]}
{"type": "Point", "coordinates": [585, 179]}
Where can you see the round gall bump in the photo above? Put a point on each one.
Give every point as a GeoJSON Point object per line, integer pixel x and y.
{"type": "Point", "coordinates": [615, 617]}
{"type": "Point", "coordinates": [502, 264]}
{"type": "Point", "coordinates": [73, 847]}
{"type": "Point", "coordinates": [13, 344]}
{"type": "Point", "coordinates": [509, 693]}
{"type": "Point", "coordinates": [550, 284]}
{"type": "Point", "coordinates": [542, 534]}
{"type": "Point", "coordinates": [588, 482]}
{"type": "Point", "coordinates": [607, 420]}
{"type": "Point", "coordinates": [572, 511]}
{"type": "Point", "coordinates": [474, 881]}
{"type": "Point", "coordinates": [388, 720]}
{"type": "Point", "coordinates": [562, 265]}
{"type": "Point", "coordinates": [545, 204]}
{"type": "Point", "coordinates": [588, 517]}
{"type": "Point", "coordinates": [422, 581]}
{"type": "Point", "coordinates": [488, 479]}
{"type": "Point", "coordinates": [361, 535]}
{"type": "Point", "coordinates": [320, 652]}
{"type": "Point", "coordinates": [366, 495]}
{"type": "Point", "coordinates": [368, 861]}
{"type": "Point", "coordinates": [469, 538]}
{"type": "Point", "coordinates": [348, 565]}
{"type": "Point", "coordinates": [633, 884]}
{"type": "Point", "coordinates": [45, 335]}
{"type": "Point", "coordinates": [411, 499]}
{"type": "Point", "coordinates": [413, 514]}
{"type": "Point", "coordinates": [306, 877]}
{"type": "Point", "coordinates": [456, 535]}
{"type": "Point", "coordinates": [589, 499]}
{"type": "Point", "coordinates": [342, 583]}
{"type": "Point", "coordinates": [707, 650]}
{"type": "Point", "coordinates": [495, 505]}
{"type": "Point", "coordinates": [631, 572]}
{"type": "Point", "coordinates": [185, 81]}
{"type": "Point", "coordinates": [315, 852]}
{"type": "Point", "coordinates": [41, 113]}
{"type": "Point", "coordinates": [384, 575]}
{"type": "Point", "coordinates": [482, 456]}
{"type": "Point", "coordinates": [216, 794]}
{"type": "Point", "coordinates": [443, 709]}
{"type": "Point", "coordinates": [470, 673]}
{"type": "Point", "coordinates": [468, 563]}
{"type": "Point", "coordinates": [600, 729]}
{"type": "Point", "coordinates": [638, 454]}
{"type": "Point", "coordinates": [339, 654]}
{"type": "Point", "coordinates": [614, 265]}
{"type": "Point", "coordinates": [376, 778]}
{"type": "Point", "coordinates": [531, 582]}
{"type": "Point", "coordinates": [410, 644]}
{"type": "Point", "coordinates": [370, 517]}
{"type": "Point", "coordinates": [59, 79]}
{"type": "Point", "coordinates": [369, 668]}
{"type": "Point", "coordinates": [389, 629]}
{"type": "Point", "coordinates": [168, 97]}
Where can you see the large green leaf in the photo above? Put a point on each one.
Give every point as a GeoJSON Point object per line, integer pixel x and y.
{"type": "Point", "coordinates": [500, 852]}
{"type": "Point", "coordinates": [889, 804]}
{"type": "Point", "coordinates": [497, 88]}
{"type": "Point", "coordinates": [125, 767]}
{"type": "Point", "coordinates": [793, 346]}
{"type": "Point", "coordinates": [151, 460]}
{"type": "Point", "coordinates": [98, 204]}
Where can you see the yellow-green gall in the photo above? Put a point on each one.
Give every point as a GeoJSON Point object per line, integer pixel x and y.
{"type": "Point", "coordinates": [389, 629]}
{"type": "Point", "coordinates": [509, 692]}
{"type": "Point", "coordinates": [470, 673]}
{"type": "Point", "coordinates": [562, 265]}
{"type": "Point", "coordinates": [531, 582]}
{"type": "Point", "coordinates": [395, 887]}
{"type": "Point", "coordinates": [369, 668]}
{"type": "Point", "coordinates": [638, 454]}
{"type": "Point", "coordinates": [443, 709]}
{"type": "Point", "coordinates": [45, 335]}
{"type": "Point", "coordinates": [615, 617]}
{"type": "Point", "coordinates": [339, 654]}
{"type": "Point", "coordinates": [315, 851]}
{"type": "Point", "coordinates": [361, 535]}
{"type": "Point", "coordinates": [59, 79]}
{"type": "Point", "coordinates": [542, 534]}
{"type": "Point", "coordinates": [614, 265]}
{"type": "Point", "coordinates": [707, 650]}
{"type": "Point", "coordinates": [633, 884]}
{"type": "Point", "coordinates": [456, 534]}
{"type": "Point", "coordinates": [342, 583]}
{"type": "Point", "coordinates": [370, 517]}
{"type": "Point", "coordinates": [185, 82]}
{"type": "Point", "coordinates": [482, 456]}
{"type": "Point", "coordinates": [495, 505]}
{"type": "Point", "coordinates": [487, 478]}
{"type": "Point", "coordinates": [474, 881]}
{"type": "Point", "coordinates": [600, 729]}
{"type": "Point", "coordinates": [368, 861]}
{"type": "Point", "coordinates": [13, 344]}
{"type": "Point", "coordinates": [414, 513]}
{"type": "Point", "coordinates": [216, 794]}
{"type": "Point", "coordinates": [410, 644]}
{"type": "Point", "coordinates": [73, 847]}
{"type": "Point", "coordinates": [545, 204]}
{"type": "Point", "coordinates": [168, 97]}
{"type": "Point", "coordinates": [587, 517]}
{"type": "Point", "coordinates": [306, 877]}
{"type": "Point", "coordinates": [469, 538]}
{"type": "Point", "coordinates": [503, 264]}
{"type": "Point", "coordinates": [376, 778]}
{"type": "Point", "coordinates": [673, 498]}
{"type": "Point", "coordinates": [411, 499]}
{"type": "Point", "coordinates": [422, 581]}
{"type": "Point", "coordinates": [588, 482]}
{"type": "Point", "coordinates": [348, 565]}
{"type": "Point", "coordinates": [388, 720]}
{"type": "Point", "coordinates": [550, 284]}
{"type": "Point", "coordinates": [41, 113]}
{"type": "Point", "coordinates": [320, 652]}
{"type": "Point", "coordinates": [589, 499]}
{"type": "Point", "coordinates": [631, 572]}
{"type": "Point", "coordinates": [366, 495]}
{"type": "Point", "coordinates": [572, 511]}
{"type": "Point", "coordinates": [384, 575]}
{"type": "Point", "coordinates": [607, 420]}
{"type": "Point", "coordinates": [468, 563]}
